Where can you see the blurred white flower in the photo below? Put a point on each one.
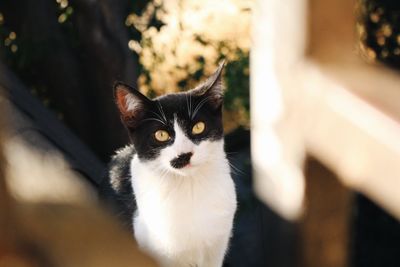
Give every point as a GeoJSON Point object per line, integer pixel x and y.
{"type": "Point", "coordinates": [195, 35]}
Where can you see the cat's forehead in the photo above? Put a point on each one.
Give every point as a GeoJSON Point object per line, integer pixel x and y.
{"type": "Point", "coordinates": [172, 98]}
{"type": "Point", "coordinates": [176, 104]}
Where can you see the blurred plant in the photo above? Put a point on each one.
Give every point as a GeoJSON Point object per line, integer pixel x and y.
{"type": "Point", "coordinates": [8, 39]}
{"type": "Point", "coordinates": [378, 30]}
{"type": "Point", "coordinates": [183, 42]}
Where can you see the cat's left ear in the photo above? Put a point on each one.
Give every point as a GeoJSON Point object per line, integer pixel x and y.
{"type": "Point", "coordinates": [213, 88]}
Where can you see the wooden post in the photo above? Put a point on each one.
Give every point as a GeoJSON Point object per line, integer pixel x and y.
{"type": "Point", "coordinates": [324, 229]}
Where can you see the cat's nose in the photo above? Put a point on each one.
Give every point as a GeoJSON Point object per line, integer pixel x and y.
{"type": "Point", "coordinates": [182, 160]}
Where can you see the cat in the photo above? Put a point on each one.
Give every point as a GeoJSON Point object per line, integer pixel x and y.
{"type": "Point", "coordinates": [174, 180]}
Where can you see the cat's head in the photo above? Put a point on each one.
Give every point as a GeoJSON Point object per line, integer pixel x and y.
{"type": "Point", "coordinates": [179, 132]}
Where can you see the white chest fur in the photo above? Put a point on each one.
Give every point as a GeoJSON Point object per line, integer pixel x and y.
{"type": "Point", "coordinates": [185, 220]}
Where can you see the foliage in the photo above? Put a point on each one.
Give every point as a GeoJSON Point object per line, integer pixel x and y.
{"type": "Point", "coordinates": [378, 27]}
{"type": "Point", "coordinates": [183, 42]}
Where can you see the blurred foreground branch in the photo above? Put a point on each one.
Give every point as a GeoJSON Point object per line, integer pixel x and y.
{"type": "Point", "coordinates": [54, 234]}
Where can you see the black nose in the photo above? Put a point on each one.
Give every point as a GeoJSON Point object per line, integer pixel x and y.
{"type": "Point", "coordinates": [182, 160]}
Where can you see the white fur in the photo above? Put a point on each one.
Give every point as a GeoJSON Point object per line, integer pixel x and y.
{"type": "Point", "coordinates": [185, 216]}
{"type": "Point", "coordinates": [131, 103]}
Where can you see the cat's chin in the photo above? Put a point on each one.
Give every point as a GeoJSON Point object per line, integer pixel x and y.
{"type": "Point", "coordinates": [187, 171]}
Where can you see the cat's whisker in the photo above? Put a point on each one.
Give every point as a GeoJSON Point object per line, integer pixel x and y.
{"type": "Point", "coordinates": [235, 169]}
{"type": "Point", "coordinates": [188, 102]}
{"type": "Point", "coordinates": [191, 105]}
{"type": "Point", "coordinates": [162, 111]}
{"type": "Point", "coordinates": [199, 105]}
{"type": "Point", "coordinates": [154, 119]}
{"type": "Point", "coordinates": [158, 116]}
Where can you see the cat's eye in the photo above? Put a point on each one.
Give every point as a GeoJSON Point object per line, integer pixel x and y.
{"type": "Point", "coordinates": [162, 136]}
{"type": "Point", "coordinates": [198, 128]}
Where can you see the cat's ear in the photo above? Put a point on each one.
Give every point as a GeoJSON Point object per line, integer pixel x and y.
{"type": "Point", "coordinates": [212, 88]}
{"type": "Point", "coordinates": [131, 104]}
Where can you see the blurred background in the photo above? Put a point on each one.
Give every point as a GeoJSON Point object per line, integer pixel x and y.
{"type": "Point", "coordinates": [312, 121]}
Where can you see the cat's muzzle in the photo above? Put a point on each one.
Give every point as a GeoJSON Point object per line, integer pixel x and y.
{"type": "Point", "coordinates": [182, 160]}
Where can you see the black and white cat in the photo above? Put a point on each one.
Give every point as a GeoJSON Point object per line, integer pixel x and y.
{"type": "Point", "coordinates": [174, 180]}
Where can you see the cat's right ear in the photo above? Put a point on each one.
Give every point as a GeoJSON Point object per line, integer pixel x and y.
{"type": "Point", "coordinates": [131, 104]}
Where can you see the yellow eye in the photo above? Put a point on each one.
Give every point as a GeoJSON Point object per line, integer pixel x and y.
{"type": "Point", "coordinates": [198, 128]}
{"type": "Point", "coordinates": [162, 136]}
